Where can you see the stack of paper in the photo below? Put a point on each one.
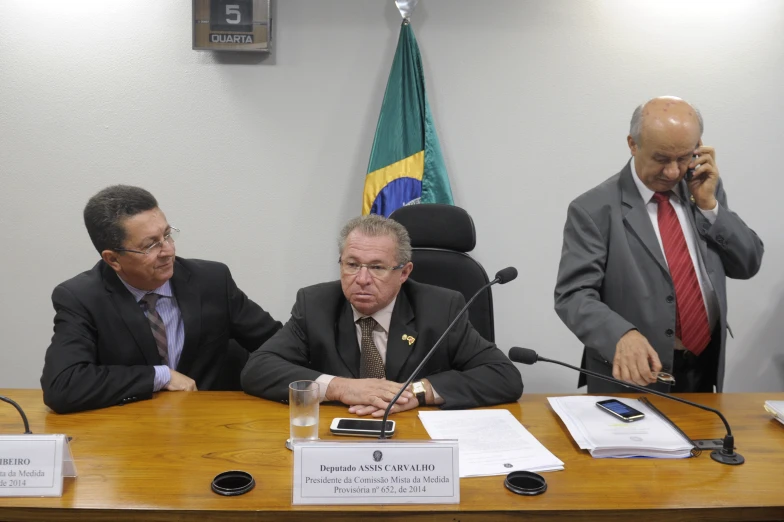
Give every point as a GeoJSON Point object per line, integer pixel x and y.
{"type": "Point", "coordinates": [776, 408]}
{"type": "Point", "coordinates": [491, 442]}
{"type": "Point", "coordinates": [606, 436]}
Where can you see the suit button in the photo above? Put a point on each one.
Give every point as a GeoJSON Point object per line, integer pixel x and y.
{"type": "Point", "coordinates": [668, 332]}
{"type": "Point", "coordinates": [670, 299]}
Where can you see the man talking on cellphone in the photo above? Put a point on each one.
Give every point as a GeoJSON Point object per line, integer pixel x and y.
{"type": "Point", "coordinates": [646, 254]}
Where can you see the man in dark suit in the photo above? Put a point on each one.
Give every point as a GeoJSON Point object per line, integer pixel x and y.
{"type": "Point", "coordinates": [142, 320]}
{"type": "Point", "coordinates": [360, 337]}
{"type": "Point", "coordinates": [646, 254]}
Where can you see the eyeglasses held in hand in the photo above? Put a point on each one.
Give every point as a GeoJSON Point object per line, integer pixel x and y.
{"type": "Point", "coordinates": [664, 377]}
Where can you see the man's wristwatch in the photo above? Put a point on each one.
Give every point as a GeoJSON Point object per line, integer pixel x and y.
{"type": "Point", "coordinates": [419, 391]}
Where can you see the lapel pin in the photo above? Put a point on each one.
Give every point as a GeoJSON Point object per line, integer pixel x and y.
{"type": "Point", "coordinates": [405, 337]}
{"type": "Point", "coordinates": [692, 199]}
{"type": "Point", "coordinates": [410, 340]}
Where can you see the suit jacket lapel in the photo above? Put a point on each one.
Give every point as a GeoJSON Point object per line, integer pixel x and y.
{"type": "Point", "coordinates": [133, 316]}
{"type": "Point", "coordinates": [399, 349]}
{"type": "Point", "coordinates": [346, 339]}
{"type": "Point", "coordinates": [637, 218]}
{"type": "Point", "coordinates": [189, 303]}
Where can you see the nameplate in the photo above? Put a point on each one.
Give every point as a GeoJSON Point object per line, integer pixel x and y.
{"type": "Point", "coordinates": [376, 472]}
{"type": "Point", "coordinates": [34, 465]}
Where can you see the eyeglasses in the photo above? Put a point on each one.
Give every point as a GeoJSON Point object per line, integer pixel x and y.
{"type": "Point", "coordinates": [156, 247]}
{"type": "Point", "coordinates": [377, 271]}
{"type": "Point", "coordinates": [664, 377]}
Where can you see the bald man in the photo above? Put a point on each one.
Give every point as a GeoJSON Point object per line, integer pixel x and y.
{"type": "Point", "coordinates": [646, 254]}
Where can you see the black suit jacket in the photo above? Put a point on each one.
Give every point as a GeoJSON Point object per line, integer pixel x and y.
{"type": "Point", "coordinates": [103, 351]}
{"type": "Point", "coordinates": [320, 337]}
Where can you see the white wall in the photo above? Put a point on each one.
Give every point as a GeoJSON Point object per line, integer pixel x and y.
{"type": "Point", "coordinates": [260, 160]}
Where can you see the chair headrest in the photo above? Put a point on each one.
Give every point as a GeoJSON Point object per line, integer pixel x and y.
{"type": "Point", "coordinates": [433, 225]}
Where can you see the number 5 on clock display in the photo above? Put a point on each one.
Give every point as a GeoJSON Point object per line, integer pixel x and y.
{"type": "Point", "coordinates": [231, 15]}
{"type": "Point", "coordinates": [231, 25]}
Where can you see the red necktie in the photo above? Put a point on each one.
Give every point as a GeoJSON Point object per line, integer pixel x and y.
{"type": "Point", "coordinates": [691, 325]}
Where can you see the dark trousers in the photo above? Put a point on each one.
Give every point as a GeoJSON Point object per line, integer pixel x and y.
{"type": "Point", "coordinates": [697, 374]}
{"type": "Point", "coordinates": [692, 374]}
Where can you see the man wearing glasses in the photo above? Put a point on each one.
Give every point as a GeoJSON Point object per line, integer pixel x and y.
{"type": "Point", "coordinates": [362, 336]}
{"type": "Point", "coordinates": [142, 320]}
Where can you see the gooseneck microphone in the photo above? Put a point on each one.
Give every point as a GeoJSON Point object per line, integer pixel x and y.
{"type": "Point", "coordinates": [725, 455]}
{"type": "Point", "coordinates": [21, 413]}
{"type": "Point", "coordinates": [501, 277]}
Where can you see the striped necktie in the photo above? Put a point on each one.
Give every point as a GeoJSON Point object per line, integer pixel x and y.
{"type": "Point", "coordinates": [156, 325]}
{"type": "Point", "coordinates": [691, 325]}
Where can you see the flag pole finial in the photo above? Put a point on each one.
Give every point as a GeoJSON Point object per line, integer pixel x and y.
{"type": "Point", "coordinates": [406, 8]}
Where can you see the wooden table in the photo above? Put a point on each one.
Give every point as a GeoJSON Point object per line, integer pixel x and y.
{"type": "Point", "coordinates": [154, 460]}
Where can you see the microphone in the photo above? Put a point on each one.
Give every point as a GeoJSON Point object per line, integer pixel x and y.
{"type": "Point", "coordinates": [725, 455]}
{"type": "Point", "coordinates": [21, 413]}
{"type": "Point", "coordinates": [501, 277]}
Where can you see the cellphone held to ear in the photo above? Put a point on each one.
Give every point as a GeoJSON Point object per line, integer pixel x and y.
{"type": "Point", "coordinates": [690, 172]}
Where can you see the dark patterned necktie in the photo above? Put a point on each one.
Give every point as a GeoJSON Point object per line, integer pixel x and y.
{"type": "Point", "coordinates": [371, 365]}
{"type": "Point", "coordinates": [156, 325]}
{"type": "Point", "coordinates": [691, 325]}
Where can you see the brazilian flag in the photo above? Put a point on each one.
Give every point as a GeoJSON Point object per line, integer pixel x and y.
{"type": "Point", "coordinates": [406, 165]}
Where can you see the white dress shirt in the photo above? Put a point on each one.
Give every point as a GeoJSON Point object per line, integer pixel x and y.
{"type": "Point", "coordinates": [678, 203]}
{"type": "Point", "coordinates": [383, 318]}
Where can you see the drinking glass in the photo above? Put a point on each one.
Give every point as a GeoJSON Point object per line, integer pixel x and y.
{"type": "Point", "coordinates": [304, 410]}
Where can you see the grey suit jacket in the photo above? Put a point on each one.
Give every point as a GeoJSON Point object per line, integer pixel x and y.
{"type": "Point", "coordinates": [613, 276]}
{"type": "Point", "coordinates": [320, 337]}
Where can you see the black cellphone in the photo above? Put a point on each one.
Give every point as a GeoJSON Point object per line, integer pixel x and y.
{"type": "Point", "coordinates": [690, 172]}
{"type": "Point", "coordinates": [620, 410]}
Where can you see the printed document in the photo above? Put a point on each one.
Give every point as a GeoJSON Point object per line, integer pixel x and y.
{"type": "Point", "coordinates": [491, 442]}
{"type": "Point", "coordinates": [607, 436]}
{"type": "Point", "coordinates": [775, 408]}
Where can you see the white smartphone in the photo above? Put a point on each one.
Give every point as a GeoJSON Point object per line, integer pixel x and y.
{"type": "Point", "coordinates": [360, 427]}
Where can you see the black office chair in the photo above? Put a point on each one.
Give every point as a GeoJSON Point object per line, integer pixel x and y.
{"type": "Point", "coordinates": [440, 236]}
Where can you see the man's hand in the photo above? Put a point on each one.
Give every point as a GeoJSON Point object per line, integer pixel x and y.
{"type": "Point", "coordinates": [180, 382]}
{"type": "Point", "coordinates": [706, 177]}
{"type": "Point", "coordinates": [363, 410]}
{"type": "Point", "coordinates": [634, 359]}
{"type": "Point", "coordinates": [368, 392]}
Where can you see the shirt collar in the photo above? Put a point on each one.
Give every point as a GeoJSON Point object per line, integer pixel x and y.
{"type": "Point", "coordinates": [164, 290]}
{"type": "Point", "coordinates": [383, 317]}
{"type": "Point", "coordinates": [645, 192]}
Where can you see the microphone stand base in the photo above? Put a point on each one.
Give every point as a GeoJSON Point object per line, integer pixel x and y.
{"type": "Point", "coordinates": [731, 459]}
{"type": "Point", "coordinates": [709, 444]}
